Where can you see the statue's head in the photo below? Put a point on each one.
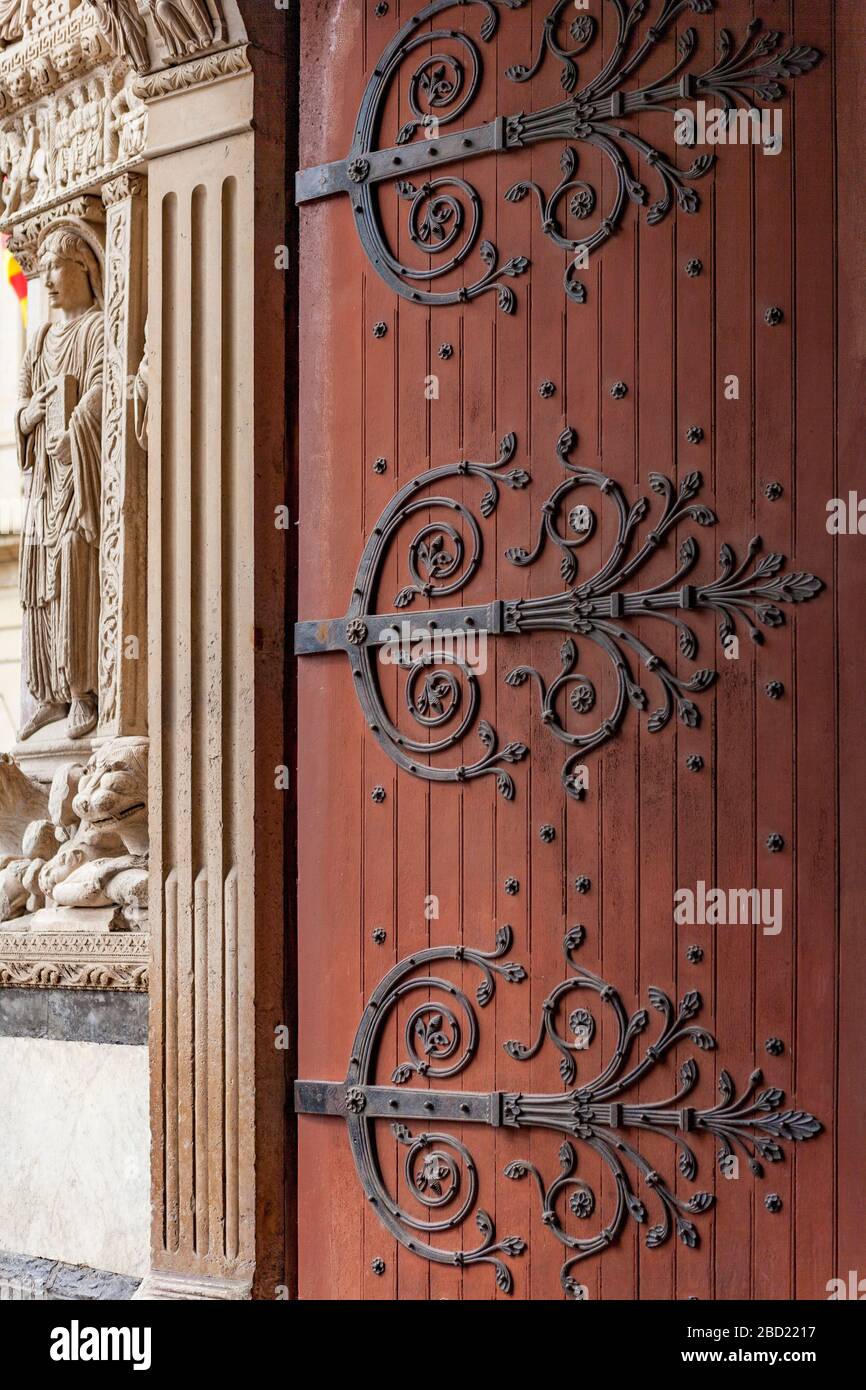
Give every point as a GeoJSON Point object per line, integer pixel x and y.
{"type": "Point", "coordinates": [70, 271]}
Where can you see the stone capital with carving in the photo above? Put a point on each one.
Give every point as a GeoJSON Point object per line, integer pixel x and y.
{"type": "Point", "coordinates": [124, 186]}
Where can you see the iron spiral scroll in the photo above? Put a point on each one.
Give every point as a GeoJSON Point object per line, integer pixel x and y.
{"type": "Point", "coordinates": [442, 694]}
{"type": "Point", "coordinates": [445, 210]}
{"type": "Point", "coordinates": [440, 1038]}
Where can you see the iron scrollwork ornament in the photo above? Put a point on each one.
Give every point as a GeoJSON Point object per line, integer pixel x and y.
{"type": "Point", "coordinates": [601, 1114]}
{"type": "Point", "coordinates": [442, 693]}
{"type": "Point", "coordinates": [445, 212]}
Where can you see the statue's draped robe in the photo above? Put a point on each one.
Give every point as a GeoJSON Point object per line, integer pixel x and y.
{"type": "Point", "coordinates": [59, 576]}
{"type": "Point", "coordinates": [124, 29]}
{"type": "Point", "coordinates": [10, 20]}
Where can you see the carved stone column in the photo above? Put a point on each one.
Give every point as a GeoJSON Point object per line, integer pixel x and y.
{"type": "Point", "coordinates": [123, 561]}
{"type": "Point", "coordinates": [216, 330]}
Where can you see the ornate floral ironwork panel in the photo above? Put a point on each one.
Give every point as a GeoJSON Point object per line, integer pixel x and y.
{"type": "Point", "coordinates": [442, 692]}
{"type": "Point", "coordinates": [602, 1114]}
{"type": "Point", "coordinates": [445, 210]}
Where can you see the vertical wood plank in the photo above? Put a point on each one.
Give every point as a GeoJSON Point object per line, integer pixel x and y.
{"type": "Point", "coordinates": [735, 819]}
{"type": "Point", "coordinates": [850, 87]}
{"type": "Point", "coordinates": [330, 783]}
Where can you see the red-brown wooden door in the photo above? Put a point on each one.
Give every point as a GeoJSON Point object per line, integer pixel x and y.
{"type": "Point", "coordinates": [753, 783]}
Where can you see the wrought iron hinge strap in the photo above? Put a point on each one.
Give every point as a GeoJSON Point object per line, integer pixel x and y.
{"type": "Point", "coordinates": [377, 165]}
{"type": "Point", "coordinates": [378, 629]}
{"type": "Point", "coordinates": [563, 121]}
{"type": "Point", "coordinates": [394, 1103]}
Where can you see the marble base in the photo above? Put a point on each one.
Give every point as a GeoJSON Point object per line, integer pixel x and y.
{"type": "Point", "coordinates": [90, 920]}
{"type": "Point", "coordinates": [157, 1286]}
{"type": "Point", "coordinates": [74, 1153]}
{"type": "Point", "coordinates": [107, 1016]}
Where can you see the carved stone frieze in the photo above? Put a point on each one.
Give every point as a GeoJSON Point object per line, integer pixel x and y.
{"type": "Point", "coordinates": [167, 31]}
{"type": "Point", "coordinates": [46, 44]}
{"type": "Point", "coordinates": [123, 29]}
{"type": "Point", "coordinates": [59, 40]}
{"type": "Point", "coordinates": [70, 142]}
{"type": "Point", "coordinates": [74, 82]}
{"type": "Point", "coordinates": [186, 27]}
{"type": "Point", "coordinates": [11, 21]}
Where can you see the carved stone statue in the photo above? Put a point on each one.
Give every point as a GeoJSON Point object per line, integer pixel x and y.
{"type": "Point", "coordinates": [11, 21]}
{"type": "Point", "coordinates": [18, 148]}
{"type": "Point", "coordinates": [90, 850]}
{"type": "Point", "coordinates": [185, 26]}
{"type": "Point", "coordinates": [59, 430]}
{"type": "Point", "coordinates": [105, 861]}
{"type": "Point", "coordinates": [123, 29]}
{"type": "Point", "coordinates": [21, 802]}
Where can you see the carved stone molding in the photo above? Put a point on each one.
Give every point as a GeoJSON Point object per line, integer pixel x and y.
{"type": "Point", "coordinates": [122, 671]}
{"type": "Point", "coordinates": [182, 1288]}
{"type": "Point", "coordinates": [196, 73]}
{"type": "Point", "coordinates": [125, 186]}
{"type": "Point", "coordinates": [74, 960]}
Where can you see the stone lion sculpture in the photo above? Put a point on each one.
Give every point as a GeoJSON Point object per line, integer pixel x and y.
{"type": "Point", "coordinates": [92, 851]}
